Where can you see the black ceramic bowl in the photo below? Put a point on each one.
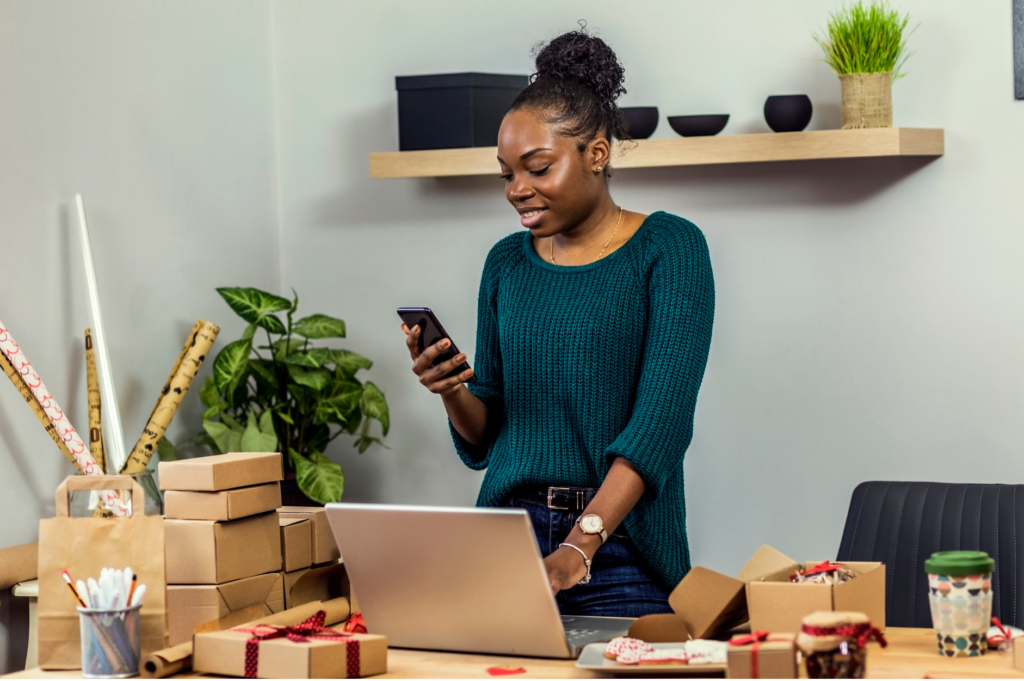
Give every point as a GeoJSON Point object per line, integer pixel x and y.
{"type": "Point", "coordinates": [698, 126]}
{"type": "Point", "coordinates": [788, 113]}
{"type": "Point", "coordinates": [640, 120]}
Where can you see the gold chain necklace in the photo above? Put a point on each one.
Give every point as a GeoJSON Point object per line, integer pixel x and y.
{"type": "Point", "coordinates": [617, 223]}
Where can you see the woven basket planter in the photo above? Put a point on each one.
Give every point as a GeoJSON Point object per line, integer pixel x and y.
{"type": "Point", "coordinates": [867, 100]}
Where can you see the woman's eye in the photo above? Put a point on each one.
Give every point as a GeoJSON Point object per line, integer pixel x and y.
{"type": "Point", "coordinates": [507, 178]}
{"type": "Point", "coordinates": [538, 173]}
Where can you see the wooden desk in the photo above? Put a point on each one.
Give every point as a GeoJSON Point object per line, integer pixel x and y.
{"type": "Point", "coordinates": [912, 654]}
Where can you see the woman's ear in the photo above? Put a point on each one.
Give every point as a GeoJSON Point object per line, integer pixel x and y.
{"type": "Point", "coordinates": [599, 153]}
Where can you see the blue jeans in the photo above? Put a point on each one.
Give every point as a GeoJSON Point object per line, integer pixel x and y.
{"type": "Point", "coordinates": [622, 583]}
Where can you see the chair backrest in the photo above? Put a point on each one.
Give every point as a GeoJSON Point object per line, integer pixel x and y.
{"type": "Point", "coordinates": [903, 523]}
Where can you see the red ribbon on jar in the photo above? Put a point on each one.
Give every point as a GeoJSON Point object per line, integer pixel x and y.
{"type": "Point", "coordinates": [309, 630]}
{"type": "Point", "coordinates": [861, 632]}
{"type": "Point", "coordinates": [827, 566]}
{"type": "Point", "coordinates": [754, 640]}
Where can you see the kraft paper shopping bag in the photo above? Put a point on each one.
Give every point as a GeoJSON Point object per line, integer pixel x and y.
{"type": "Point", "coordinates": [83, 546]}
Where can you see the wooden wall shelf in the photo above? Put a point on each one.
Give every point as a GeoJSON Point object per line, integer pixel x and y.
{"type": "Point", "coordinates": [687, 151]}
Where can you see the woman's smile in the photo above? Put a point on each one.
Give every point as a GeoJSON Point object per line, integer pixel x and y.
{"type": "Point", "coordinates": [530, 217]}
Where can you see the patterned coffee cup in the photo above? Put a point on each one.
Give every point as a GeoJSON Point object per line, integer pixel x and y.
{"type": "Point", "coordinates": [960, 594]}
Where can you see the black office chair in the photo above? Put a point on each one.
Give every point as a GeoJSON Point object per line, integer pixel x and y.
{"type": "Point", "coordinates": [903, 523]}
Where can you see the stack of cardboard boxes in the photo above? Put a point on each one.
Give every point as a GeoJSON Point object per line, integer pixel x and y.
{"type": "Point", "coordinates": [233, 552]}
{"type": "Point", "coordinates": [223, 540]}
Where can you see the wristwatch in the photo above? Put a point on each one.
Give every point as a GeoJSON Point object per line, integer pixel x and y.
{"type": "Point", "coordinates": [592, 524]}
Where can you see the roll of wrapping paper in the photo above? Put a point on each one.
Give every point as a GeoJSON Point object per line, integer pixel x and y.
{"type": "Point", "coordinates": [66, 432]}
{"type": "Point", "coordinates": [184, 372]}
{"type": "Point", "coordinates": [164, 663]}
{"type": "Point", "coordinates": [22, 387]}
{"type": "Point", "coordinates": [93, 391]}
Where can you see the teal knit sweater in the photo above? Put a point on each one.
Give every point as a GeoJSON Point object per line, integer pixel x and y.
{"type": "Point", "coordinates": [579, 365]}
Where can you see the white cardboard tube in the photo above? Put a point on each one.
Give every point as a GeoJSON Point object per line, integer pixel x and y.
{"type": "Point", "coordinates": [114, 436]}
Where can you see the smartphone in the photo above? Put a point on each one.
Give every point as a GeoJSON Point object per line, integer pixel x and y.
{"type": "Point", "coordinates": [431, 332]}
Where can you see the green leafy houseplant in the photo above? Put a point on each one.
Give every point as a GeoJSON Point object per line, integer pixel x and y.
{"type": "Point", "coordinates": [866, 40]}
{"type": "Point", "coordinates": [289, 394]}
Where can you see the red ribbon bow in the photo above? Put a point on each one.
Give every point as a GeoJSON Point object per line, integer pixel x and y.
{"type": "Point", "coordinates": [997, 639]}
{"type": "Point", "coordinates": [312, 629]}
{"type": "Point", "coordinates": [819, 568]}
{"type": "Point", "coordinates": [354, 624]}
{"type": "Point", "coordinates": [861, 632]}
{"type": "Point", "coordinates": [754, 641]}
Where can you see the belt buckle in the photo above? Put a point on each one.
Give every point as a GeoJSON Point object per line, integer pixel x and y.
{"type": "Point", "coordinates": [551, 491]}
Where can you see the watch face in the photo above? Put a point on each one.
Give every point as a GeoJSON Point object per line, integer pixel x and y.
{"type": "Point", "coordinates": [591, 524]}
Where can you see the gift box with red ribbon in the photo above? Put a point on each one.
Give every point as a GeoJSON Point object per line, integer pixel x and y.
{"type": "Point", "coordinates": [760, 655]}
{"type": "Point", "coordinates": [305, 651]}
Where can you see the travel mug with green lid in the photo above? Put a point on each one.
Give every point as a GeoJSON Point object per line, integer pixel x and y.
{"type": "Point", "coordinates": [960, 594]}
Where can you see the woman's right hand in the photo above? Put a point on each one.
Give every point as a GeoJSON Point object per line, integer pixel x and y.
{"type": "Point", "coordinates": [433, 377]}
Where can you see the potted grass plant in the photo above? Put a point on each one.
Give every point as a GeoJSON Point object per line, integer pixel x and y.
{"type": "Point", "coordinates": [867, 47]}
{"type": "Point", "coordinates": [277, 389]}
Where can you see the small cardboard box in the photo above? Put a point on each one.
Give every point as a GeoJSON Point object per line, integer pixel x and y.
{"type": "Point", "coordinates": [318, 583]}
{"type": "Point", "coordinates": [296, 543]}
{"type": "Point", "coordinates": [776, 658]}
{"type": "Point", "coordinates": [229, 504]}
{"type": "Point", "coordinates": [707, 603]}
{"type": "Point", "coordinates": [223, 653]}
{"type": "Point", "coordinates": [189, 605]}
{"type": "Point", "coordinates": [325, 550]}
{"type": "Point", "coordinates": [208, 552]}
{"type": "Point", "coordinates": [220, 471]}
{"type": "Point", "coordinates": [778, 605]}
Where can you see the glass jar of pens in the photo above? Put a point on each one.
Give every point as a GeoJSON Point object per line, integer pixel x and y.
{"type": "Point", "coordinates": [108, 613]}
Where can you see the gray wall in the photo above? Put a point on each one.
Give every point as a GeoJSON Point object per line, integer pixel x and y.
{"type": "Point", "coordinates": [161, 115]}
{"type": "Point", "coordinates": [867, 324]}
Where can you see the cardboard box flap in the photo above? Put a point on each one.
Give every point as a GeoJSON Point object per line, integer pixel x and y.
{"type": "Point", "coordinates": [708, 602]}
{"type": "Point", "coordinates": [660, 629]}
{"type": "Point", "coordinates": [765, 562]}
{"type": "Point", "coordinates": [243, 593]}
{"type": "Point", "coordinates": [285, 522]}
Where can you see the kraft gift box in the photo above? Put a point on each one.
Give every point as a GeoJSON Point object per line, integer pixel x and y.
{"type": "Point", "coordinates": [207, 552]}
{"type": "Point", "coordinates": [220, 471]}
{"type": "Point", "coordinates": [230, 504]}
{"type": "Point", "coordinates": [296, 543]}
{"type": "Point", "coordinates": [224, 653]}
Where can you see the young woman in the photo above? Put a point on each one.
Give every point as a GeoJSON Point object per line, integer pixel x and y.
{"type": "Point", "coordinates": [593, 334]}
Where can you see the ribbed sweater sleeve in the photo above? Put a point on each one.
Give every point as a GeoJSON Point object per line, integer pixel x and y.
{"type": "Point", "coordinates": [681, 292]}
{"type": "Point", "coordinates": [487, 366]}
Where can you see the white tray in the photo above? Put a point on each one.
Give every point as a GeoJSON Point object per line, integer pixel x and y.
{"type": "Point", "coordinates": [592, 659]}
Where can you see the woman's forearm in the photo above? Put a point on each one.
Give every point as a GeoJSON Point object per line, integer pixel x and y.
{"type": "Point", "coordinates": [468, 414]}
{"type": "Point", "coordinates": [619, 493]}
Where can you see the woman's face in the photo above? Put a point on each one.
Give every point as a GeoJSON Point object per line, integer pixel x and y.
{"type": "Point", "coordinates": [548, 181]}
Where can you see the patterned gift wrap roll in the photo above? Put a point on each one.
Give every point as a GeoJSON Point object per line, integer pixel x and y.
{"type": "Point", "coordinates": [960, 595]}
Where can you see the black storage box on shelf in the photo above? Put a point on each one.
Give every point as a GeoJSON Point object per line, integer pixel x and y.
{"type": "Point", "coordinates": [452, 110]}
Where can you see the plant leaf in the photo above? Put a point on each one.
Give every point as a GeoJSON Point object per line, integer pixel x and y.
{"type": "Point", "coordinates": [214, 410]}
{"type": "Point", "coordinates": [264, 371]}
{"type": "Point", "coordinates": [375, 406]}
{"type": "Point", "coordinates": [230, 365]}
{"type": "Point", "coordinates": [232, 424]}
{"type": "Point", "coordinates": [286, 417]}
{"type": "Point", "coordinates": [251, 303]}
{"type": "Point", "coordinates": [255, 440]}
{"type": "Point", "coordinates": [249, 332]}
{"type": "Point", "coordinates": [365, 441]}
{"type": "Point", "coordinates": [227, 439]}
{"type": "Point", "coordinates": [348, 363]}
{"type": "Point", "coordinates": [313, 358]}
{"type": "Point", "coordinates": [318, 477]}
{"type": "Point", "coordinates": [266, 424]}
{"type": "Point", "coordinates": [271, 323]}
{"type": "Point", "coordinates": [166, 450]}
{"type": "Point", "coordinates": [320, 326]}
{"type": "Point", "coordinates": [284, 347]}
{"type": "Point", "coordinates": [317, 379]}
{"type": "Point", "coordinates": [209, 393]}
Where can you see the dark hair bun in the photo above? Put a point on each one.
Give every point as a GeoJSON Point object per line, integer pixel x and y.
{"type": "Point", "coordinates": [579, 58]}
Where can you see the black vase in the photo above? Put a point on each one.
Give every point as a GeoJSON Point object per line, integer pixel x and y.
{"type": "Point", "coordinates": [788, 113]}
{"type": "Point", "coordinates": [640, 120]}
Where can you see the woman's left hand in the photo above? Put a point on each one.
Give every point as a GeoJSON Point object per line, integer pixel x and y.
{"type": "Point", "coordinates": [565, 568]}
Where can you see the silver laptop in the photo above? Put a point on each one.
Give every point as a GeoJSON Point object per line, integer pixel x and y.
{"type": "Point", "coordinates": [464, 580]}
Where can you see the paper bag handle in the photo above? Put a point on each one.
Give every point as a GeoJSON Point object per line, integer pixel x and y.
{"type": "Point", "coordinates": [75, 483]}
